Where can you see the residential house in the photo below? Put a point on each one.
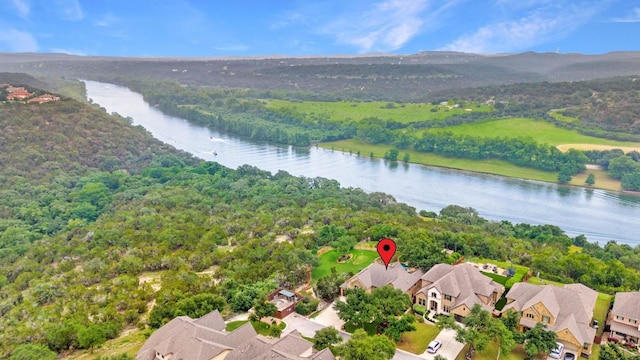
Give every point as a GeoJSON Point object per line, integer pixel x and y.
{"type": "Point", "coordinates": [568, 311]}
{"type": "Point", "coordinates": [43, 99]}
{"type": "Point", "coordinates": [377, 275]}
{"type": "Point", "coordinates": [454, 290]}
{"type": "Point", "coordinates": [624, 318]}
{"type": "Point", "coordinates": [291, 346]}
{"type": "Point", "coordinates": [184, 338]}
{"type": "Point", "coordinates": [19, 94]}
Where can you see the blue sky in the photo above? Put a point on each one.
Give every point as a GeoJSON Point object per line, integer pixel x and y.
{"type": "Point", "coordinates": [204, 28]}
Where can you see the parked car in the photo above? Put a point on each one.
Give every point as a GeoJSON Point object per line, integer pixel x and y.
{"type": "Point", "coordinates": [434, 346]}
{"type": "Point", "coordinates": [569, 356]}
{"type": "Point", "coordinates": [557, 352]}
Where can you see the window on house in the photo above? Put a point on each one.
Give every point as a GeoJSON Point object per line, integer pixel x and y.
{"type": "Point", "coordinates": [422, 301]}
{"type": "Point", "coordinates": [545, 319]}
{"type": "Point", "coordinates": [445, 308]}
{"type": "Point", "coordinates": [585, 346]}
{"type": "Point", "coordinates": [633, 321]}
{"type": "Point", "coordinates": [447, 297]}
{"type": "Point", "coordinates": [530, 316]}
{"type": "Point", "coordinates": [434, 295]}
{"type": "Point", "coordinates": [618, 317]}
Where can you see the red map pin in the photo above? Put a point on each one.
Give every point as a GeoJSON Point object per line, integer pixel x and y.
{"type": "Point", "coordinates": [386, 250]}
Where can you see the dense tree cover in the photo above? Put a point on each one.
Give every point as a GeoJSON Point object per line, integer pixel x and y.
{"type": "Point", "coordinates": [326, 337]}
{"type": "Point", "coordinates": [367, 347]}
{"type": "Point", "coordinates": [539, 340]}
{"type": "Point", "coordinates": [603, 108]}
{"type": "Point", "coordinates": [381, 307]}
{"type": "Point", "coordinates": [328, 287]}
{"type": "Point", "coordinates": [92, 208]}
{"type": "Point", "coordinates": [611, 351]}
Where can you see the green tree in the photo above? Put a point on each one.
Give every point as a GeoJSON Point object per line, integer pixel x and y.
{"type": "Point", "coordinates": [591, 179]}
{"type": "Point", "coordinates": [631, 181]}
{"type": "Point", "coordinates": [379, 307]}
{"type": "Point", "coordinates": [564, 176]}
{"type": "Point", "coordinates": [392, 155]}
{"type": "Point", "coordinates": [326, 337]}
{"type": "Point", "coordinates": [32, 352]}
{"type": "Point", "coordinates": [406, 157]}
{"type": "Point", "coordinates": [363, 347]}
{"type": "Point", "coordinates": [622, 165]}
{"type": "Point", "coordinates": [91, 336]}
{"type": "Point", "coordinates": [539, 340]}
{"type": "Point", "coordinates": [264, 309]}
{"type": "Point", "coordinates": [398, 326]}
{"type": "Point", "coordinates": [328, 287]}
{"type": "Point", "coordinates": [199, 305]}
{"type": "Point", "coordinates": [419, 249]}
{"type": "Point", "coordinates": [480, 328]}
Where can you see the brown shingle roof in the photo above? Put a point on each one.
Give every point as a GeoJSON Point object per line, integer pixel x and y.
{"type": "Point", "coordinates": [571, 306]}
{"type": "Point", "coordinates": [376, 275]}
{"type": "Point", "coordinates": [627, 304]}
{"type": "Point", "coordinates": [464, 282]}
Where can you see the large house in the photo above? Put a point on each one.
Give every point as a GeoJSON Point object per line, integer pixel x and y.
{"type": "Point", "coordinates": [184, 338]}
{"type": "Point", "coordinates": [376, 275]}
{"type": "Point", "coordinates": [445, 289]}
{"type": "Point", "coordinates": [454, 290]}
{"type": "Point", "coordinates": [624, 318]}
{"type": "Point", "coordinates": [567, 311]}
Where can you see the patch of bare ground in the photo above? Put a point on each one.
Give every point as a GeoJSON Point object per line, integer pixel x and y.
{"type": "Point", "coordinates": [323, 250]}
{"type": "Point", "coordinates": [626, 149]}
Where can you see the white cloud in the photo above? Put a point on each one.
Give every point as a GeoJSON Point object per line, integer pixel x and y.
{"type": "Point", "coordinates": [69, 9]}
{"type": "Point", "coordinates": [387, 26]}
{"type": "Point", "coordinates": [538, 26]}
{"type": "Point", "coordinates": [23, 7]}
{"type": "Point", "coordinates": [17, 41]}
{"type": "Point", "coordinates": [108, 20]}
{"type": "Point", "coordinates": [633, 17]}
{"type": "Point", "coordinates": [68, 52]}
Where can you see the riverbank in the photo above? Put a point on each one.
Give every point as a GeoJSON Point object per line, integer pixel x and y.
{"type": "Point", "coordinates": [490, 166]}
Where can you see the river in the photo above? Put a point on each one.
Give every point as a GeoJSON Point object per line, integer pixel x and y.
{"type": "Point", "coordinates": [599, 215]}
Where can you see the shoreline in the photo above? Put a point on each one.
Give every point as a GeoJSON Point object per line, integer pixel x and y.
{"type": "Point", "coordinates": [497, 167]}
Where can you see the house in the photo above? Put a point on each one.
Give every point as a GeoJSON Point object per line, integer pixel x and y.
{"type": "Point", "coordinates": [568, 311]}
{"type": "Point", "coordinates": [624, 318]}
{"type": "Point", "coordinates": [19, 94]}
{"type": "Point", "coordinates": [376, 275]}
{"type": "Point", "coordinates": [291, 346]}
{"type": "Point", "coordinates": [454, 290]}
{"type": "Point", "coordinates": [184, 338]}
{"type": "Point", "coordinates": [285, 301]}
{"type": "Point", "coordinates": [43, 99]}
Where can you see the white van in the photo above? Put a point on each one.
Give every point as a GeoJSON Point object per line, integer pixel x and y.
{"type": "Point", "coordinates": [557, 352]}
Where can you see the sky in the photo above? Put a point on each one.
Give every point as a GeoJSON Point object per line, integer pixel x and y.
{"type": "Point", "coordinates": [209, 28]}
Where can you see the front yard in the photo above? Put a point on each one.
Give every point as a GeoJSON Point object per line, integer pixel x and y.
{"type": "Point", "coordinates": [416, 342]}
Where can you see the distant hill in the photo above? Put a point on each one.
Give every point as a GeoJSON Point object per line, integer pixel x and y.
{"type": "Point", "coordinates": [383, 77]}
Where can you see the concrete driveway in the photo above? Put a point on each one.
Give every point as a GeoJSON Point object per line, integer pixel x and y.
{"type": "Point", "coordinates": [329, 317]}
{"type": "Point", "coordinates": [450, 347]}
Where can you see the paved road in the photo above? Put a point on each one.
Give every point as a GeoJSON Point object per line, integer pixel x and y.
{"type": "Point", "coordinates": [308, 327]}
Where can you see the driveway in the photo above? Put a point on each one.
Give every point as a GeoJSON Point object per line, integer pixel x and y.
{"type": "Point", "coordinates": [450, 347]}
{"type": "Point", "coordinates": [329, 317]}
{"type": "Point", "coordinates": [308, 327]}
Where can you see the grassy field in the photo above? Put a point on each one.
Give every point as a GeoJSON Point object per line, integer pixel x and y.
{"type": "Point", "coordinates": [491, 166]}
{"type": "Point", "coordinates": [491, 353]}
{"type": "Point", "coordinates": [540, 131]}
{"type": "Point", "coordinates": [358, 110]}
{"type": "Point", "coordinates": [360, 260]}
{"type": "Point", "coordinates": [416, 342]}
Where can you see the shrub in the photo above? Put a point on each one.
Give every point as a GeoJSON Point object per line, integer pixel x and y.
{"type": "Point", "coordinates": [419, 309]}
{"type": "Point", "coordinates": [307, 306]}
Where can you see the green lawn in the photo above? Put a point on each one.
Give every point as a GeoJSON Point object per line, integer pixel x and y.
{"type": "Point", "coordinates": [358, 110]}
{"type": "Point", "coordinates": [235, 324]}
{"type": "Point", "coordinates": [360, 260]}
{"type": "Point", "coordinates": [260, 327]}
{"type": "Point", "coordinates": [491, 353]}
{"type": "Point", "coordinates": [600, 311]}
{"type": "Point", "coordinates": [487, 166]}
{"type": "Point", "coordinates": [416, 342]}
{"type": "Point", "coordinates": [540, 131]}
{"type": "Point", "coordinates": [538, 281]}
{"type": "Point", "coordinates": [369, 328]}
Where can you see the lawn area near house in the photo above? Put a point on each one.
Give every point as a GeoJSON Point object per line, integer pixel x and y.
{"type": "Point", "coordinates": [416, 342]}
{"type": "Point", "coordinates": [600, 311]}
{"type": "Point", "coordinates": [260, 327]}
{"type": "Point", "coordinates": [360, 260]}
{"type": "Point", "coordinates": [491, 353]}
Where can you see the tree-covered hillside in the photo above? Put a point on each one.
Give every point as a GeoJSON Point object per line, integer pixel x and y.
{"type": "Point", "coordinates": [92, 208]}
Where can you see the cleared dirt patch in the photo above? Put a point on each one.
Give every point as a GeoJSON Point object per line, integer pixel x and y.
{"type": "Point", "coordinates": [626, 149]}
